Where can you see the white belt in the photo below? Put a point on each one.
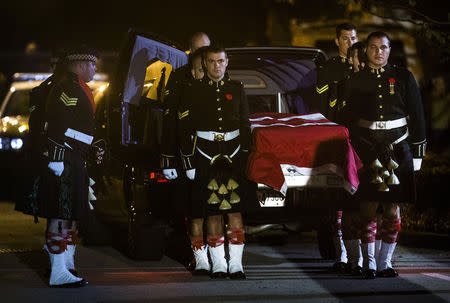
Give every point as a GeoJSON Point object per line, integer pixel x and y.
{"type": "Point", "coordinates": [382, 124]}
{"type": "Point", "coordinates": [79, 136]}
{"type": "Point", "coordinates": [216, 136]}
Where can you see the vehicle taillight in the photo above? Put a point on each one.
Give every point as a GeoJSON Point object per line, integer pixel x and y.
{"type": "Point", "coordinates": [158, 177]}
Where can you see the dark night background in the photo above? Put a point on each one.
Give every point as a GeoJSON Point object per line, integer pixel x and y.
{"type": "Point", "coordinates": [30, 30]}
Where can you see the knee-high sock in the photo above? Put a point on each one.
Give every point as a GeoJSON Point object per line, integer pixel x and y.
{"type": "Point", "coordinates": [389, 233]}
{"type": "Point", "coordinates": [56, 246]}
{"type": "Point", "coordinates": [217, 252]}
{"type": "Point", "coordinates": [339, 247]}
{"type": "Point", "coordinates": [236, 238]}
{"type": "Point", "coordinates": [368, 245]}
{"type": "Point", "coordinates": [72, 241]}
{"type": "Point", "coordinates": [200, 253]}
{"type": "Point", "coordinates": [351, 235]}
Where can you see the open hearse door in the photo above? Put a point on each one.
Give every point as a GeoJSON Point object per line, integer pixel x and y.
{"type": "Point", "coordinates": [131, 122]}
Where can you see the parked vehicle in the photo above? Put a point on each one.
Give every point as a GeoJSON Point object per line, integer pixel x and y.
{"type": "Point", "coordinates": [132, 193]}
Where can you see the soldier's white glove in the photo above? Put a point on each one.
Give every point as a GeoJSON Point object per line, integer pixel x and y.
{"type": "Point", "coordinates": [190, 173]}
{"type": "Point", "coordinates": [56, 167]}
{"type": "Point", "coordinates": [170, 173]}
{"type": "Point", "coordinates": [417, 162]}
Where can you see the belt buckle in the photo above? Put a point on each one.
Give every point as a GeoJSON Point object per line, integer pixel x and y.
{"type": "Point", "coordinates": [381, 125]}
{"type": "Point", "coordinates": [219, 137]}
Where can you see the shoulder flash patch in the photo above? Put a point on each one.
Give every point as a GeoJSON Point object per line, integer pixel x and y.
{"type": "Point", "coordinates": [67, 100]}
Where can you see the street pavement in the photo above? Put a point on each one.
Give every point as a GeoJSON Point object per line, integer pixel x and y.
{"type": "Point", "coordinates": [281, 266]}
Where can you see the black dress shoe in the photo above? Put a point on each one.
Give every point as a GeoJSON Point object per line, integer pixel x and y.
{"type": "Point", "coordinates": [357, 271]}
{"type": "Point", "coordinates": [218, 275]}
{"type": "Point", "coordinates": [71, 285]}
{"type": "Point", "coordinates": [200, 272]}
{"type": "Point", "coordinates": [339, 267]}
{"type": "Point", "coordinates": [388, 273]}
{"type": "Point", "coordinates": [239, 275]}
{"type": "Point", "coordinates": [369, 274]}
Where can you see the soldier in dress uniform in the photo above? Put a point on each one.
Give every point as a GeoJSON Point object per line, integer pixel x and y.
{"type": "Point", "coordinates": [215, 137]}
{"type": "Point", "coordinates": [178, 78]}
{"type": "Point", "coordinates": [332, 91]}
{"type": "Point", "coordinates": [388, 134]}
{"type": "Point", "coordinates": [64, 192]}
{"type": "Point", "coordinates": [170, 157]}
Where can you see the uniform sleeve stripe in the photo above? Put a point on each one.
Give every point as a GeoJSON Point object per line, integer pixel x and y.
{"type": "Point", "coordinates": [68, 101]}
{"type": "Point", "coordinates": [333, 103]}
{"type": "Point", "coordinates": [182, 115]}
{"type": "Point", "coordinates": [322, 89]}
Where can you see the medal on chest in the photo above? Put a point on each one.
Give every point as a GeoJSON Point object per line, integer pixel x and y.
{"type": "Point", "coordinates": [391, 86]}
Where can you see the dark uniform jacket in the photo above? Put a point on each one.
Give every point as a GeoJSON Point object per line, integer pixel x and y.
{"type": "Point", "coordinates": [379, 95]}
{"type": "Point", "coordinates": [389, 93]}
{"type": "Point", "coordinates": [220, 107]}
{"type": "Point", "coordinates": [207, 105]}
{"type": "Point", "coordinates": [173, 94]}
{"type": "Point", "coordinates": [71, 105]}
{"type": "Point", "coordinates": [332, 87]}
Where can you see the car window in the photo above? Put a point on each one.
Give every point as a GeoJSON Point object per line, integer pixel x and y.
{"type": "Point", "coordinates": [262, 103]}
{"type": "Point", "coordinates": [18, 104]}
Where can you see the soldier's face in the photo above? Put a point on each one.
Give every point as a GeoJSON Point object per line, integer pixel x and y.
{"type": "Point", "coordinates": [378, 50]}
{"type": "Point", "coordinates": [345, 40]}
{"type": "Point", "coordinates": [216, 65]}
{"type": "Point", "coordinates": [197, 68]}
{"type": "Point", "coordinates": [88, 69]}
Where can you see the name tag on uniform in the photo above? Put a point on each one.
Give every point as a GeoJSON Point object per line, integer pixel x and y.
{"type": "Point", "coordinates": [79, 136]}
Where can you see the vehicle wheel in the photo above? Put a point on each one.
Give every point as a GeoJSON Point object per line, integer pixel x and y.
{"type": "Point", "coordinates": [93, 231]}
{"type": "Point", "coordinates": [325, 242]}
{"type": "Point", "coordinates": [146, 237]}
{"type": "Point", "coordinates": [146, 241]}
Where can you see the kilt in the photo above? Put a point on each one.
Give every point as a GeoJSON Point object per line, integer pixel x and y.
{"type": "Point", "coordinates": [200, 194]}
{"type": "Point", "coordinates": [64, 197]}
{"type": "Point", "coordinates": [375, 144]}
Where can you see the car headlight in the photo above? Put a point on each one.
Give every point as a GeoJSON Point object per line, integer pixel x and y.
{"type": "Point", "coordinates": [16, 143]}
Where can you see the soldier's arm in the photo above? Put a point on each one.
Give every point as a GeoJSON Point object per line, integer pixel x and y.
{"type": "Point", "coordinates": [416, 123]}
{"type": "Point", "coordinates": [169, 130]}
{"type": "Point", "coordinates": [185, 131]}
{"type": "Point", "coordinates": [322, 90]}
{"type": "Point", "coordinates": [60, 108]}
{"type": "Point", "coordinates": [244, 127]}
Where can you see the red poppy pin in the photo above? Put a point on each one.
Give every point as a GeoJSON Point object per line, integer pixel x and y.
{"type": "Point", "coordinates": [228, 96]}
{"type": "Point", "coordinates": [391, 86]}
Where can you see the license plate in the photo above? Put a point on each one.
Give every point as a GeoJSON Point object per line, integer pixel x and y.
{"type": "Point", "coordinates": [272, 202]}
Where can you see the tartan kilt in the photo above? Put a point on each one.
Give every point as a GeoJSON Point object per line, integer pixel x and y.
{"type": "Point", "coordinates": [199, 206]}
{"type": "Point", "coordinates": [371, 145]}
{"type": "Point", "coordinates": [49, 196]}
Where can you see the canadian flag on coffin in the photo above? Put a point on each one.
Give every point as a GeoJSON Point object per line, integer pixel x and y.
{"type": "Point", "coordinates": [306, 145]}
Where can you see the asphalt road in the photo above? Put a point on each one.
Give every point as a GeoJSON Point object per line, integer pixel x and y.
{"type": "Point", "coordinates": [281, 266]}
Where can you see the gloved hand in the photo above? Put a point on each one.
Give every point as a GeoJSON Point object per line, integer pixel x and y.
{"type": "Point", "coordinates": [56, 167]}
{"type": "Point", "coordinates": [417, 162]}
{"type": "Point", "coordinates": [190, 173]}
{"type": "Point", "coordinates": [170, 173]}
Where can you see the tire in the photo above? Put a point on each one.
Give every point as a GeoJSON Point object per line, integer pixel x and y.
{"type": "Point", "coordinates": [94, 232]}
{"type": "Point", "coordinates": [146, 241]}
{"type": "Point", "coordinates": [146, 237]}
